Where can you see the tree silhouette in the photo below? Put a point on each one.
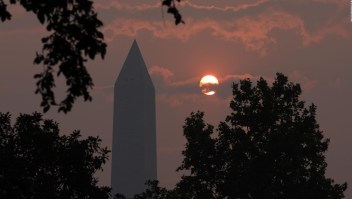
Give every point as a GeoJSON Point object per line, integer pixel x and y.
{"type": "Point", "coordinates": [153, 191]}
{"type": "Point", "coordinates": [74, 38]}
{"type": "Point", "coordinates": [37, 162]}
{"type": "Point", "coordinates": [270, 146]}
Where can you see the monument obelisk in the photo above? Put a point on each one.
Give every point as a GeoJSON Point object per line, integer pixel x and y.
{"type": "Point", "coordinates": [134, 131]}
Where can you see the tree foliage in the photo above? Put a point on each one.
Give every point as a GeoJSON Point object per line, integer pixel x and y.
{"type": "Point", "coordinates": [270, 146]}
{"type": "Point", "coordinates": [37, 162]}
{"type": "Point", "coordinates": [153, 191]}
{"type": "Point", "coordinates": [74, 38]}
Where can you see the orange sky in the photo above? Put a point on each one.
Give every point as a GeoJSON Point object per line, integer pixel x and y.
{"type": "Point", "coordinates": [308, 40]}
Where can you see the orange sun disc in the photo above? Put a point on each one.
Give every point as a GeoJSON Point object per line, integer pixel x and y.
{"type": "Point", "coordinates": [208, 84]}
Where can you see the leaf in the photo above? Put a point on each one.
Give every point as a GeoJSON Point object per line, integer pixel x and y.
{"type": "Point", "coordinates": [41, 17]}
{"type": "Point", "coordinates": [172, 10]}
{"type": "Point", "coordinates": [49, 27]}
{"type": "Point", "coordinates": [45, 39]}
{"type": "Point", "coordinates": [103, 51]}
{"type": "Point", "coordinates": [38, 76]}
{"type": "Point", "coordinates": [100, 35]}
{"type": "Point", "coordinates": [4, 14]}
{"type": "Point", "coordinates": [178, 20]}
{"type": "Point", "coordinates": [38, 59]}
{"type": "Point", "coordinates": [91, 53]}
{"type": "Point", "coordinates": [166, 3]}
{"type": "Point", "coordinates": [46, 108]}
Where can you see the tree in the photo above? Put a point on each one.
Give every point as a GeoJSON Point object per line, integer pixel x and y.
{"type": "Point", "coordinates": [153, 191]}
{"type": "Point", "coordinates": [270, 146]}
{"type": "Point", "coordinates": [75, 38]}
{"type": "Point", "coordinates": [37, 162]}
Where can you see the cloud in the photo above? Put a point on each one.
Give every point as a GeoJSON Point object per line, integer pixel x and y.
{"type": "Point", "coordinates": [165, 73]}
{"type": "Point", "coordinates": [336, 83]}
{"type": "Point", "coordinates": [177, 100]}
{"type": "Point", "coordinates": [176, 92]}
{"type": "Point", "coordinates": [143, 7]}
{"type": "Point", "coordinates": [165, 77]}
{"type": "Point", "coordinates": [306, 83]}
{"type": "Point", "coordinates": [337, 2]}
{"type": "Point", "coordinates": [253, 32]}
{"type": "Point", "coordinates": [232, 78]}
{"type": "Point", "coordinates": [120, 6]}
{"type": "Point", "coordinates": [223, 8]}
{"type": "Point", "coordinates": [159, 29]}
{"type": "Point", "coordinates": [105, 92]}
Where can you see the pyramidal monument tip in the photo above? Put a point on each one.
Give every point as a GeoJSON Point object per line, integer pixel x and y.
{"type": "Point", "coordinates": [134, 127]}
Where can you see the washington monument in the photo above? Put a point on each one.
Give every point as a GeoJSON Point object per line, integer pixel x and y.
{"type": "Point", "coordinates": [134, 134]}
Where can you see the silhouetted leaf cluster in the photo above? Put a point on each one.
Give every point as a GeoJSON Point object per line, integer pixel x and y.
{"type": "Point", "coordinates": [4, 14]}
{"type": "Point", "coordinates": [74, 38]}
{"type": "Point", "coordinates": [37, 162]}
{"type": "Point", "coordinates": [171, 5]}
{"type": "Point", "coordinates": [270, 146]}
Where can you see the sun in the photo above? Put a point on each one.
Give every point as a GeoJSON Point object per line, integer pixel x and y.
{"type": "Point", "coordinates": [208, 84]}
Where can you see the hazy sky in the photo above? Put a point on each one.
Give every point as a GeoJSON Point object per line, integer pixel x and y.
{"type": "Point", "coordinates": [308, 40]}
